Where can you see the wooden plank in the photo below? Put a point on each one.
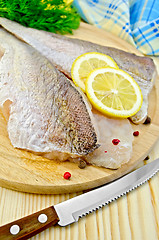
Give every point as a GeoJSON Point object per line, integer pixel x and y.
{"type": "Point", "coordinates": [24, 171]}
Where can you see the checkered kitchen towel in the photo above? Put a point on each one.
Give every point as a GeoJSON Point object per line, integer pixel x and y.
{"type": "Point", "coordinates": [136, 21]}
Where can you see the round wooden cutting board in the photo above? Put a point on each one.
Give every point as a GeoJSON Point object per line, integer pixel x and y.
{"type": "Point", "coordinates": [24, 171]}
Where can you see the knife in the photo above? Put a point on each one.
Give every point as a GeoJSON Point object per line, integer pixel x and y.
{"type": "Point", "coordinates": [71, 210]}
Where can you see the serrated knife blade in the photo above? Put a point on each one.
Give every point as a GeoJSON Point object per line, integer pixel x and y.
{"type": "Point", "coordinates": [69, 211]}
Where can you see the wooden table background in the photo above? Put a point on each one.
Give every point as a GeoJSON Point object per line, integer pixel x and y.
{"type": "Point", "coordinates": [134, 216]}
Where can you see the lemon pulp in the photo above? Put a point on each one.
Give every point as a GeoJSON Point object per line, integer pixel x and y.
{"type": "Point", "coordinates": [87, 62]}
{"type": "Point", "coordinates": [113, 92]}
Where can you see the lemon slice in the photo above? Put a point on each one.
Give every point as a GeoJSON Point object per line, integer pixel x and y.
{"type": "Point", "coordinates": [87, 62]}
{"type": "Point", "coordinates": [114, 92]}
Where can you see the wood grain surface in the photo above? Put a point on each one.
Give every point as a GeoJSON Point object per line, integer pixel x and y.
{"type": "Point", "coordinates": [24, 171]}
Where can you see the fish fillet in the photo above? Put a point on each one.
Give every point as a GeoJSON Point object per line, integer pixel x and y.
{"type": "Point", "coordinates": [113, 156]}
{"type": "Point", "coordinates": [46, 114]}
{"type": "Point", "coordinates": [62, 51]}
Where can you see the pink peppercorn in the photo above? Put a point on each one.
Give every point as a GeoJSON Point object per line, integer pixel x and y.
{"type": "Point", "coordinates": [105, 151]}
{"type": "Point", "coordinates": [67, 175]}
{"type": "Point", "coordinates": [136, 133]}
{"type": "Point", "coordinates": [115, 141]}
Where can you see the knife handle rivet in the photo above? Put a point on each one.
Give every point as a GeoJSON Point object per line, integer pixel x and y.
{"type": "Point", "coordinates": [14, 229]}
{"type": "Point", "coordinates": [42, 218]}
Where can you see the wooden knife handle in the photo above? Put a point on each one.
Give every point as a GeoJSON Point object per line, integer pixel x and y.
{"type": "Point", "coordinates": [29, 226]}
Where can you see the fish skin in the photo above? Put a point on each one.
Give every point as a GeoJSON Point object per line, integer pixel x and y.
{"type": "Point", "coordinates": [116, 156]}
{"type": "Point", "coordinates": [47, 112]}
{"type": "Point", "coordinates": [62, 51]}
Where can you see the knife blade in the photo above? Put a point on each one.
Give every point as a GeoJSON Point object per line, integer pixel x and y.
{"type": "Point", "coordinates": [71, 210]}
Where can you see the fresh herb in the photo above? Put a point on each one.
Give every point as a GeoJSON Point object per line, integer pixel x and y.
{"type": "Point", "coordinates": [49, 15]}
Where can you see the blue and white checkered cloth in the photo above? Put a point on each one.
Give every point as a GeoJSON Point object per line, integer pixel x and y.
{"type": "Point", "coordinates": [136, 21]}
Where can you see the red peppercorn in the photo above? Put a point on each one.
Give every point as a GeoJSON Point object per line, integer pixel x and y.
{"type": "Point", "coordinates": [67, 175]}
{"type": "Point", "coordinates": [115, 141]}
{"type": "Point", "coordinates": [105, 151]}
{"type": "Point", "coordinates": [136, 133]}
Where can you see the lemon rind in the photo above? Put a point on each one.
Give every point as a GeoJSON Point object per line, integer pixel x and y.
{"type": "Point", "coordinates": [106, 110]}
{"type": "Point", "coordinates": [85, 56]}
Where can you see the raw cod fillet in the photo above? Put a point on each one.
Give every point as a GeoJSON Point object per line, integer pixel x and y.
{"type": "Point", "coordinates": [112, 155]}
{"type": "Point", "coordinates": [46, 114]}
{"type": "Point", "coordinates": [62, 51]}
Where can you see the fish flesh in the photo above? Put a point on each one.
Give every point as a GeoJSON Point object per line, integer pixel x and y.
{"type": "Point", "coordinates": [110, 155]}
{"type": "Point", "coordinates": [62, 51]}
{"type": "Point", "coordinates": [48, 116]}
{"type": "Point", "coordinates": [46, 113]}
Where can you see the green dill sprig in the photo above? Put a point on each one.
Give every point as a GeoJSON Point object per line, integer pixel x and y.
{"type": "Point", "coordinates": [49, 15]}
